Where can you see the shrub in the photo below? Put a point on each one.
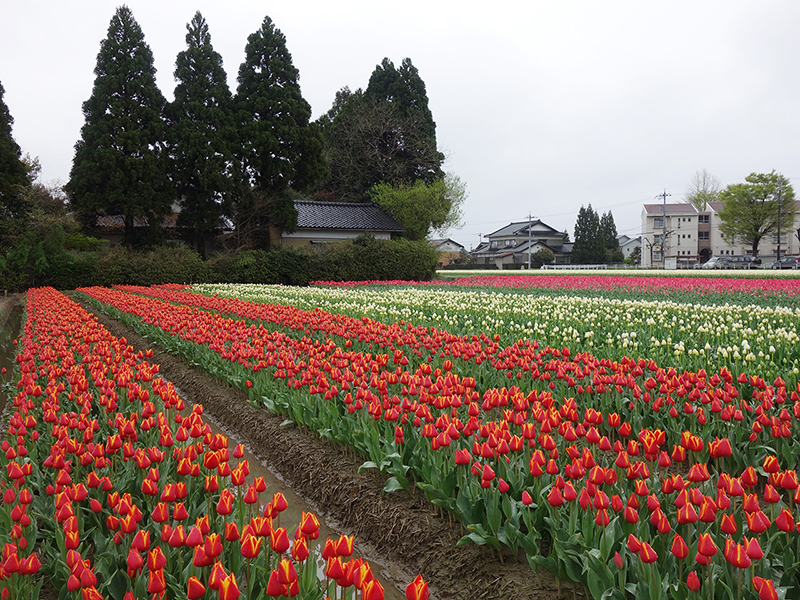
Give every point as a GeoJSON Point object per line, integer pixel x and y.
{"type": "Point", "coordinates": [367, 258]}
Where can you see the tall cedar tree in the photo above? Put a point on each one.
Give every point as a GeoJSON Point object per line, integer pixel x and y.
{"type": "Point", "coordinates": [120, 163]}
{"type": "Point", "coordinates": [751, 209]}
{"type": "Point", "coordinates": [608, 231]}
{"type": "Point", "coordinates": [385, 134]}
{"type": "Point", "coordinates": [589, 246]}
{"type": "Point", "coordinates": [202, 135]}
{"type": "Point", "coordinates": [14, 176]}
{"type": "Point", "coordinates": [280, 149]}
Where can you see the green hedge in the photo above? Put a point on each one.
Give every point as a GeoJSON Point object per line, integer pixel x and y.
{"type": "Point", "coordinates": [364, 258]}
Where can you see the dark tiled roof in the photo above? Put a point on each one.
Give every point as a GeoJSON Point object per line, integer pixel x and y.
{"type": "Point", "coordinates": [365, 216]}
{"type": "Point", "coordinates": [671, 209]}
{"type": "Point", "coordinates": [110, 223]}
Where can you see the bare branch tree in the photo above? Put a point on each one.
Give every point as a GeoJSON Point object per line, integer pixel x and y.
{"type": "Point", "coordinates": [702, 189]}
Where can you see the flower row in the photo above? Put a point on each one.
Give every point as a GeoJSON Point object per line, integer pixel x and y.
{"type": "Point", "coordinates": [125, 492]}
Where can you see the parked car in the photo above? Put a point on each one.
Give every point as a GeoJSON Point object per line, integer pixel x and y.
{"type": "Point", "coordinates": [746, 261]}
{"type": "Point", "coordinates": [717, 262]}
{"type": "Point", "coordinates": [787, 262]}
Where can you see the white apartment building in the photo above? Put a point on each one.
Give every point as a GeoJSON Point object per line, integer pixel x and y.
{"type": "Point", "coordinates": [692, 237]}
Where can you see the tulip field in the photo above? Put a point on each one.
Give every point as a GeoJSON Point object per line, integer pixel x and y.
{"type": "Point", "coordinates": [111, 488]}
{"type": "Point", "coordinates": [638, 439]}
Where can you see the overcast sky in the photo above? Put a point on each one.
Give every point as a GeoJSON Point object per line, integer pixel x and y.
{"type": "Point", "coordinates": [540, 107]}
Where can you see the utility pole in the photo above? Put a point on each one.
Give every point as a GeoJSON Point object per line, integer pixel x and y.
{"type": "Point", "coordinates": [529, 240]}
{"type": "Point", "coordinates": [780, 189]}
{"type": "Point", "coordinates": [663, 196]}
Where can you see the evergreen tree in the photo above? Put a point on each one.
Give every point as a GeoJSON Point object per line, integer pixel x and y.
{"type": "Point", "coordinates": [202, 135]}
{"type": "Point", "coordinates": [404, 88]}
{"type": "Point", "coordinates": [385, 134]}
{"type": "Point", "coordinates": [280, 149]}
{"type": "Point", "coordinates": [120, 163]}
{"type": "Point", "coordinates": [608, 231]}
{"type": "Point", "coordinates": [589, 246]}
{"type": "Point", "coordinates": [14, 176]}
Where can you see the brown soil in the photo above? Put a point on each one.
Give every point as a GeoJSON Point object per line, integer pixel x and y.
{"type": "Point", "coordinates": [394, 528]}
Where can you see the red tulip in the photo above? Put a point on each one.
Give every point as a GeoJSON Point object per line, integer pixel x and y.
{"type": "Point", "coordinates": [334, 568]}
{"type": "Point", "coordinates": [217, 576]}
{"type": "Point", "coordinates": [200, 558]}
{"type": "Point", "coordinates": [250, 546]}
{"type": "Point", "coordinates": [300, 549]}
{"type": "Point", "coordinates": [274, 586]}
{"type": "Point", "coordinates": [771, 464]}
{"type": "Point", "coordinates": [213, 545]}
{"type": "Point", "coordinates": [693, 581]}
{"type": "Point", "coordinates": [554, 498]}
{"type": "Point", "coordinates": [195, 537]}
{"type": "Point", "coordinates": [706, 545]}
{"type": "Point", "coordinates": [417, 589]}
{"type": "Point", "coordinates": [155, 582]}
{"type": "Point", "coordinates": [279, 502]}
{"type": "Point", "coordinates": [344, 546]}
{"type": "Point", "coordinates": [177, 539]}
{"type": "Point", "coordinates": [784, 521]}
{"type": "Point", "coordinates": [753, 548]}
{"type": "Point", "coordinates": [195, 588]}
{"type": "Point", "coordinates": [225, 503]}
{"type": "Point", "coordinates": [228, 590]}
{"type": "Point", "coordinates": [135, 561]}
{"type": "Point", "coordinates": [279, 540]}
{"type": "Point", "coordinates": [30, 565]}
{"type": "Point", "coordinates": [231, 532]}
{"type": "Point", "coordinates": [286, 571]}
{"type": "Point", "coordinates": [372, 590]}
{"type": "Point", "coordinates": [765, 589]}
{"type": "Point", "coordinates": [309, 525]}
{"type": "Point", "coordinates": [679, 548]}
{"type": "Point", "coordinates": [728, 524]}
{"type": "Point", "coordinates": [757, 522]}
{"type": "Point", "coordinates": [156, 559]}
{"type": "Point", "coordinates": [736, 555]}
{"type": "Point", "coordinates": [647, 554]}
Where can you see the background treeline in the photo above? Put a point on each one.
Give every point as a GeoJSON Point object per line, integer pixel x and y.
{"type": "Point", "coordinates": [236, 161]}
{"type": "Point", "coordinates": [75, 261]}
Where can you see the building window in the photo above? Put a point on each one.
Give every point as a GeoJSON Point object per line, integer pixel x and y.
{"type": "Point", "coordinates": [493, 244]}
{"type": "Point", "coordinates": [703, 219]}
{"type": "Point", "coordinates": [656, 255]}
{"type": "Point", "coordinates": [784, 238]}
{"type": "Point", "coordinates": [658, 223]}
{"type": "Point", "coordinates": [702, 235]}
{"type": "Point", "coordinates": [679, 240]}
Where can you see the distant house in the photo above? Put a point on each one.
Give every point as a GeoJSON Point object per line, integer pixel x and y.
{"type": "Point", "coordinates": [320, 222]}
{"type": "Point", "coordinates": [514, 243]}
{"type": "Point", "coordinates": [628, 244]}
{"type": "Point", "coordinates": [112, 227]}
{"type": "Point", "coordinates": [317, 223]}
{"type": "Point", "coordinates": [449, 250]}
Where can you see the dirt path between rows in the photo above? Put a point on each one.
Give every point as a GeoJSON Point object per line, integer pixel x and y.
{"type": "Point", "coordinates": [393, 528]}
